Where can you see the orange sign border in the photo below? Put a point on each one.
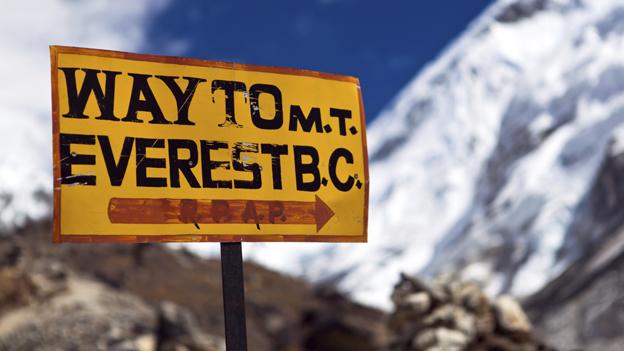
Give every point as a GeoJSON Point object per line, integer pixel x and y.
{"type": "Point", "coordinates": [58, 237]}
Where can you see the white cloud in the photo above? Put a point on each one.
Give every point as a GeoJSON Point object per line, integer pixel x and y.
{"type": "Point", "coordinates": [27, 28]}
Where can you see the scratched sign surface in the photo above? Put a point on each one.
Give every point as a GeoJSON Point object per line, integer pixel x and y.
{"type": "Point", "coordinates": [155, 149]}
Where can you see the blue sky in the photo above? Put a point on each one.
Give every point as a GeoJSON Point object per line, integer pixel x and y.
{"type": "Point", "coordinates": [383, 43]}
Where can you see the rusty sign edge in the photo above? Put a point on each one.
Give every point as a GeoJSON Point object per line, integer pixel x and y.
{"type": "Point", "coordinates": [58, 237]}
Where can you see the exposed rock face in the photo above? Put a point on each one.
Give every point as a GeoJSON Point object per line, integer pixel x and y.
{"type": "Point", "coordinates": [520, 10]}
{"type": "Point", "coordinates": [591, 318]}
{"type": "Point", "coordinates": [583, 306]}
{"type": "Point", "coordinates": [455, 316]}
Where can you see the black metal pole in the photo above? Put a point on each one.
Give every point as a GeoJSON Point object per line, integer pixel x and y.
{"type": "Point", "coordinates": [233, 297]}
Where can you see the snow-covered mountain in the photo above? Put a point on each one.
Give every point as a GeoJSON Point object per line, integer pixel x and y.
{"type": "Point", "coordinates": [479, 166]}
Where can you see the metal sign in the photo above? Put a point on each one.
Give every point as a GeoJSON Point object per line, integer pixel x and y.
{"type": "Point", "coordinates": [155, 149]}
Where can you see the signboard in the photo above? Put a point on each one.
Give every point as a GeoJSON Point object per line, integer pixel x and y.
{"type": "Point", "coordinates": [156, 149]}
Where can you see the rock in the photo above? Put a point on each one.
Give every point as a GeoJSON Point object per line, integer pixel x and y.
{"type": "Point", "coordinates": [442, 315]}
{"type": "Point", "coordinates": [113, 297]}
{"type": "Point", "coordinates": [49, 278]}
{"type": "Point", "coordinates": [510, 316]}
{"type": "Point", "coordinates": [326, 328]}
{"type": "Point", "coordinates": [177, 330]}
{"type": "Point", "coordinates": [471, 297]}
{"type": "Point", "coordinates": [408, 285]}
{"type": "Point", "coordinates": [85, 315]}
{"type": "Point", "coordinates": [419, 302]}
{"type": "Point", "coordinates": [16, 289]}
{"type": "Point", "coordinates": [459, 318]}
{"type": "Point", "coordinates": [9, 253]}
{"type": "Point", "coordinates": [445, 338]}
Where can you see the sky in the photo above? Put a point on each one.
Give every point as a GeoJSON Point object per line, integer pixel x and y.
{"type": "Point", "coordinates": [384, 44]}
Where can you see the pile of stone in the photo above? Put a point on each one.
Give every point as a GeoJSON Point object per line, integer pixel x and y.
{"type": "Point", "coordinates": [457, 316]}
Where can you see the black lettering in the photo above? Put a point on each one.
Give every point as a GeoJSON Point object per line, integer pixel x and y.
{"type": "Point", "coordinates": [69, 158]}
{"type": "Point", "coordinates": [229, 88]}
{"type": "Point", "coordinates": [275, 151]}
{"type": "Point", "coordinates": [183, 99]}
{"type": "Point", "coordinates": [177, 165]}
{"type": "Point", "coordinates": [274, 122]}
{"type": "Point", "coordinates": [116, 170]}
{"type": "Point", "coordinates": [312, 120]}
{"type": "Point", "coordinates": [307, 168]}
{"type": "Point", "coordinates": [90, 85]}
{"type": "Point", "coordinates": [342, 116]}
{"type": "Point", "coordinates": [333, 163]}
{"type": "Point", "coordinates": [143, 163]}
{"type": "Point", "coordinates": [239, 164]}
{"type": "Point", "coordinates": [142, 99]}
{"type": "Point", "coordinates": [208, 165]}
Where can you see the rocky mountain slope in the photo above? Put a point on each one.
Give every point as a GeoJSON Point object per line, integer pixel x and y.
{"type": "Point", "coordinates": [583, 306]}
{"type": "Point", "coordinates": [155, 298]}
{"type": "Point", "coordinates": [151, 297]}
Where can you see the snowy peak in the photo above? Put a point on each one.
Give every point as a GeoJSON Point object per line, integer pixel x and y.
{"type": "Point", "coordinates": [522, 111]}
{"type": "Point", "coordinates": [479, 166]}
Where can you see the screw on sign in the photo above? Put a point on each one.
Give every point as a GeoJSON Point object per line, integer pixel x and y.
{"type": "Point", "coordinates": [165, 149]}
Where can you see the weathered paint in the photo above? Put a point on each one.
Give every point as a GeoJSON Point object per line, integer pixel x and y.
{"type": "Point", "coordinates": [153, 149]}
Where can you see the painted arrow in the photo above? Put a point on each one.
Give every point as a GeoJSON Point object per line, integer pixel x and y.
{"type": "Point", "coordinates": [177, 211]}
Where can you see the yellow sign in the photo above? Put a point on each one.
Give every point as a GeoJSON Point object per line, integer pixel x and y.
{"type": "Point", "coordinates": [155, 149]}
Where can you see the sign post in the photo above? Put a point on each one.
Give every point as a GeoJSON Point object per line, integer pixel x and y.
{"type": "Point", "coordinates": [167, 149]}
{"type": "Point", "coordinates": [233, 297]}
